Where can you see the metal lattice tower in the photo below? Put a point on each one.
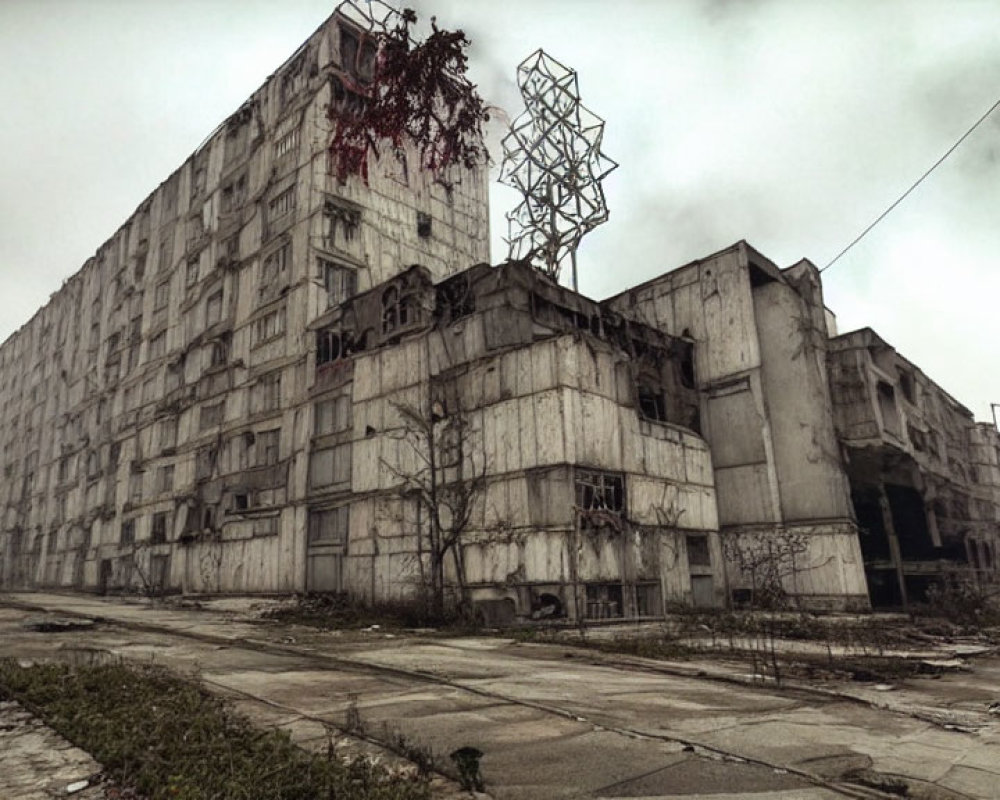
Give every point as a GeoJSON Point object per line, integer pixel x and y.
{"type": "Point", "coordinates": [553, 157]}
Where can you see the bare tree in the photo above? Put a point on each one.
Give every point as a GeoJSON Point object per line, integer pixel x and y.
{"type": "Point", "coordinates": [446, 486]}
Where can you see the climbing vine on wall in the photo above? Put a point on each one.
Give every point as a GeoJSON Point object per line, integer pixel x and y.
{"type": "Point", "coordinates": [416, 92]}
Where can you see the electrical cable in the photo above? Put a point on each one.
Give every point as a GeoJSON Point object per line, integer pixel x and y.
{"type": "Point", "coordinates": [920, 180]}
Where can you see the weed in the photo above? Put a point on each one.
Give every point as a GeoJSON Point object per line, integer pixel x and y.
{"type": "Point", "coordinates": [166, 737]}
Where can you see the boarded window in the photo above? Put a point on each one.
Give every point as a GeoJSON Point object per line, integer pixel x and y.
{"type": "Point", "coordinates": [267, 444]}
{"type": "Point", "coordinates": [266, 393]}
{"type": "Point", "coordinates": [329, 526]}
{"type": "Point", "coordinates": [213, 308]}
{"type": "Point", "coordinates": [211, 416]}
{"type": "Point", "coordinates": [333, 415]}
{"type": "Point", "coordinates": [330, 468]}
{"type": "Point", "coordinates": [651, 402]}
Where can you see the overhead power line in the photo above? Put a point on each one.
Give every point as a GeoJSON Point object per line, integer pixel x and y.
{"type": "Point", "coordinates": [919, 180]}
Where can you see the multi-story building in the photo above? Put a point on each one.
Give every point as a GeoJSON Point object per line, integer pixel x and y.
{"type": "Point", "coordinates": [176, 358]}
{"type": "Point", "coordinates": [270, 380]}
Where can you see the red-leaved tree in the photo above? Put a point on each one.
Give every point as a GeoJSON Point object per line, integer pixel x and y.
{"type": "Point", "coordinates": [419, 93]}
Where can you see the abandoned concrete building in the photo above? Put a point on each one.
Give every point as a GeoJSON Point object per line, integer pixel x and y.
{"type": "Point", "coordinates": [270, 381]}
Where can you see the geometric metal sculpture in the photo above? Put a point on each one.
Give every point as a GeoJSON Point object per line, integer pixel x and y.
{"type": "Point", "coordinates": [553, 157]}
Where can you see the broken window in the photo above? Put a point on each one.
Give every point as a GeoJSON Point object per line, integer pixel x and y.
{"type": "Point", "coordinates": [340, 282]}
{"type": "Point", "coordinates": [158, 530]}
{"type": "Point", "coordinates": [357, 54]}
{"type": "Point", "coordinates": [328, 347]}
{"type": "Point", "coordinates": [340, 223]}
{"type": "Point", "coordinates": [455, 299]}
{"type": "Point", "coordinates": [651, 402]}
{"type": "Point", "coordinates": [396, 310]}
{"type": "Point", "coordinates": [600, 498]}
{"type": "Point", "coordinates": [329, 526]}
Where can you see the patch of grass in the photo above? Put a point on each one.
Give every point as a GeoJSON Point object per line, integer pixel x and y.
{"type": "Point", "coordinates": [170, 739]}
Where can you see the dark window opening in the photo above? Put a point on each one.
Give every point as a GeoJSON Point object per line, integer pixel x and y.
{"type": "Point", "coordinates": [651, 403]}
{"type": "Point", "coordinates": [687, 365]}
{"type": "Point", "coordinates": [423, 225]}
{"type": "Point", "coordinates": [158, 533]}
{"type": "Point", "coordinates": [604, 601]}
{"type": "Point", "coordinates": [871, 528]}
{"type": "Point", "coordinates": [906, 385]}
{"type": "Point", "coordinates": [910, 521]}
{"type": "Point", "coordinates": [328, 347]}
{"type": "Point", "coordinates": [647, 600]}
{"type": "Point", "coordinates": [698, 552]}
{"type": "Point", "coordinates": [241, 502]}
{"type": "Point", "coordinates": [128, 533]}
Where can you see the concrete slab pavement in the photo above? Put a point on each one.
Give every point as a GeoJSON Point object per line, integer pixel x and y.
{"type": "Point", "coordinates": [553, 726]}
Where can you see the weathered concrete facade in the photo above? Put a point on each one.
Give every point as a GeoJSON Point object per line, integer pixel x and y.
{"type": "Point", "coordinates": [597, 498]}
{"type": "Point", "coordinates": [161, 392]}
{"type": "Point", "coordinates": [924, 475]}
{"type": "Point", "coordinates": [227, 397]}
{"type": "Point", "coordinates": [760, 360]}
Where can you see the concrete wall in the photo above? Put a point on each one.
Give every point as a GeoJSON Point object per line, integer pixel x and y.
{"type": "Point", "coordinates": [185, 338]}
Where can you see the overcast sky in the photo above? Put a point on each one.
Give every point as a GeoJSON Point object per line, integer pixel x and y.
{"type": "Point", "coordinates": [791, 124]}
